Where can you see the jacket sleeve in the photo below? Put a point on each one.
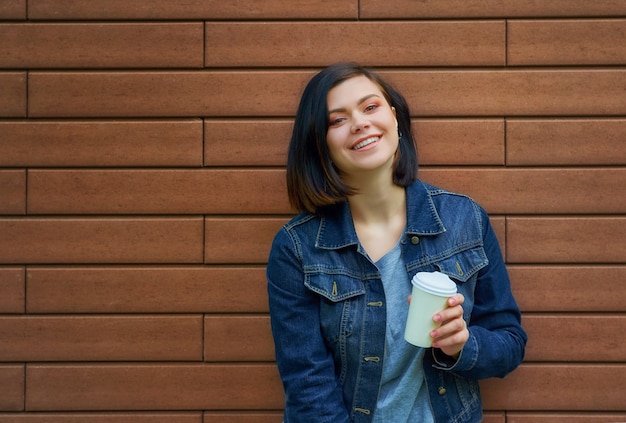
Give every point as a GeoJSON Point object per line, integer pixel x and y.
{"type": "Point", "coordinates": [312, 390]}
{"type": "Point", "coordinates": [497, 340]}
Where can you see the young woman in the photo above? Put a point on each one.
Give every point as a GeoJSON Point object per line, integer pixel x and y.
{"type": "Point", "coordinates": [339, 273]}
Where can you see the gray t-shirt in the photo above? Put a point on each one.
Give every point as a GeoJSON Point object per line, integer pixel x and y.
{"type": "Point", "coordinates": [403, 394]}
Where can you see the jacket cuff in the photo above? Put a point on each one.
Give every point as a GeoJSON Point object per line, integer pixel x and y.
{"type": "Point", "coordinates": [466, 360]}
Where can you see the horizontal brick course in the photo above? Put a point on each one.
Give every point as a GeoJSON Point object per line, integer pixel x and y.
{"type": "Point", "coordinates": [275, 93]}
{"type": "Point", "coordinates": [101, 240]}
{"type": "Point", "coordinates": [125, 143]}
{"type": "Point", "coordinates": [105, 45]}
{"type": "Point", "coordinates": [153, 387]}
{"type": "Point", "coordinates": [531, 191]}
{"type": "Point", "coordinates": [264, 142]}
{"type": "Point", "coordinates": [146, 289]}
{"type": "Point", "coordinates": [157, 191]}
{"type": "Point", "coordinates": [120, 417]}
{"type": "Point", "coordinates": [475, 43]}
{"type": "Point", "coordinates": [190, 9]}
{"type": "Point", "coordinates": [537, 191]}
{"type": "Point", "coordinates": [407, 9]}
{"type": "Point", "coordinates": [101, 338]}
{"type": "Point", "coordinates": [515, 417]}
{"type": "Point", "coordinates": [566, 42]}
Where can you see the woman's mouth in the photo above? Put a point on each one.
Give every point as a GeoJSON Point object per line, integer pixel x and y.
{"type": "Point", "coordinates": [365, 142]}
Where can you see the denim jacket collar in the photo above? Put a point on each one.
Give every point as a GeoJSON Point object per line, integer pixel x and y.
{"type": "Point", "coordinates": [337, 229]}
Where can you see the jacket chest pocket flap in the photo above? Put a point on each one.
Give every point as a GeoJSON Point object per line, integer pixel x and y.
{"type": "Point", "coordinates": [463, 265]}
{"type": "Point", "coordinates": [334, 287]}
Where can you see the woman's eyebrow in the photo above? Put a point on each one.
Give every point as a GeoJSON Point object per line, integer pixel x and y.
{"type": "Point", "coordinates": [361, 100]}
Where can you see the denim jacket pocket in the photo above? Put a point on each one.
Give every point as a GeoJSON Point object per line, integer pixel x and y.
{"type": "Point", "coordinates": [334, 287]}
{"type": "Point", "coordinates": [464, 264]}
{"type": "Point", "coordinates": [339, 296]}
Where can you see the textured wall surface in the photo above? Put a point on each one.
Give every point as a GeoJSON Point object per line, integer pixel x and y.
{"type": "Point", "coordinates": [142, 152]}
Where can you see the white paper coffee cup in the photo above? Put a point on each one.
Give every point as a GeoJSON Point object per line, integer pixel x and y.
{"type": "Point", "coordinates": [430, 293]}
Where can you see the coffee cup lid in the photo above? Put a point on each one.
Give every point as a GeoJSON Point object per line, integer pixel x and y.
{"type": "Point", "coordinates": [435, 283]}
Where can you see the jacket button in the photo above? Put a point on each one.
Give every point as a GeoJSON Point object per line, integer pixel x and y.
{"type": "Point", "coordinates": [441, 390]}
{"type": "Point", "coordinates": [415, 240]}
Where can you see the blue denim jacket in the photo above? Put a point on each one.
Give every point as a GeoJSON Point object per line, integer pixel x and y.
{"type": "Point", "coordinates": [327, 308]}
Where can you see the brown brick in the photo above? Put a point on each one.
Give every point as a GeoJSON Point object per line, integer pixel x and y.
{"type": "Point", "coordinates": [12, 192]}
{"type": "Point", "coordinates": [537, 191]}
{"type": "Point", "coordinates": [565, 142]}
{"type": "Point", "coordinates": [239, 240]}
{"type": "Point", "coordinates": [172, 142]}
{"type": "Point", "coordinates": [557, 387]}
{"type": "Point", "coordinates": [513, 92]}
{"type": "Point", "coordinates": [494, 417]}
{"type": "Point", "coordinates": [157, 191]}
{"type": "Point", "coordinates": [102, 45]}
{"type": "Point", "coordinates": [566, 240]}
{"type": "Point", "coordinates": [246, 142]}
{"type": "Point", "coordinates": [180, 94]}
{"type": "Point", "coordinates": [252, 417]}
{"type": "Point", "coordinates": [406, 9]}
{"type": "Point", "coordinates": [11, 387]}
{"type": "Point", "coordinates": [566, 42]}
{"type": "Point", "coordinates": [173, 417]}
{"type": "Point", "coordinates": [238, 338]}
{"type": "Point", "coordinates": [12, 94]}
{"type": "Point", "coordinates": [567, 288]}
{"type": "Point", "coordinates": [515, 417]}
{"type": "Point", "coordinates": [12, 290]}
{"type": "Point", "coordinates": [13, 10]}
{"type": "Point", "coordinates": [574, 338]}
{"type": "Point", "coordinates": [190, 9]}
{"type": "Point", "coordinates": [459, 141]}
{"type": "Point", "coordinates": [101, 240]}
{"type": "Point", "coordinates": [276, 93]}
{"type": "Point", "coordinates": [415, 43]}
{"type": "Point", "coordinates": [153, 387]}
{"type": "Point", "coordinates": [146, 290]}
{"type": "Point", "coordinates": [103, 338]}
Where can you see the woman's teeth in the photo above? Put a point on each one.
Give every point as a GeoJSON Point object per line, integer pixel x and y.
{"type": "Point", "coordinates": [365, 142]}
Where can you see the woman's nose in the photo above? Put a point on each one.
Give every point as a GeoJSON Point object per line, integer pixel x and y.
{"type": "Point", "coordinates": [360, 123]}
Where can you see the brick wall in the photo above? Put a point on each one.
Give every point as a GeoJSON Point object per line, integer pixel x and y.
{"type": "Point", "coordinates": [142, 151]}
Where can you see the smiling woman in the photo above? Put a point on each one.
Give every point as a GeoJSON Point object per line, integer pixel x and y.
{"type": "Point", "coordinates": [339, 274]}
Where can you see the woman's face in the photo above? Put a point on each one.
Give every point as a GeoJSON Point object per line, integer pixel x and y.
{"type": "Point", "coordinates": [363, 131]}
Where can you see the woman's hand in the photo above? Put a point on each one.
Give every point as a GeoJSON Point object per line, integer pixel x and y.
{"type": "Point", "coordinates": [452, 335]}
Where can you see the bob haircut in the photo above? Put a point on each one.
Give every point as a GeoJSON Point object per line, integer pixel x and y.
{"type": "Point", "coordinates": [313, 182]}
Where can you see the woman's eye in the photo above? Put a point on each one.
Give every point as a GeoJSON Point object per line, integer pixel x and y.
{"type": "Point", "coordinates": [336, 121]}
{"type": "Point", "coordinates": [371, 107]}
